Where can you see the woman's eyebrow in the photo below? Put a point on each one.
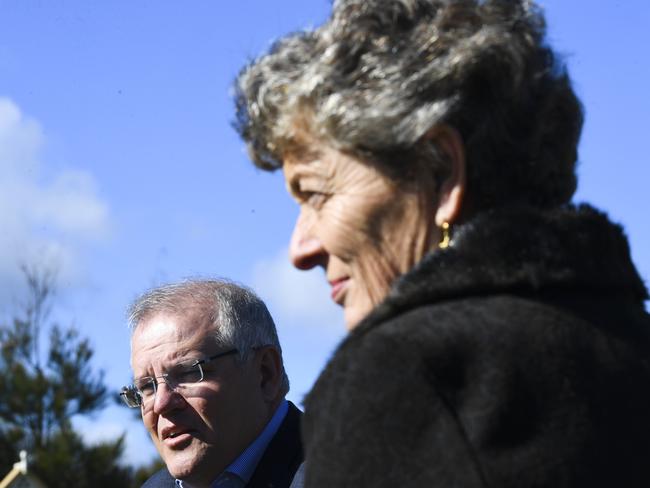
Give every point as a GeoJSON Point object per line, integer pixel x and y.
{"type": "Point", "coordinates": [302, 153]}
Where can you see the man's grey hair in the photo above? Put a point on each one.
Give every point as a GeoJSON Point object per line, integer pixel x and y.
{"type": "Point", "coordinates": [239, 318]}
{"type": "Point", "coordinates": [380, 74]}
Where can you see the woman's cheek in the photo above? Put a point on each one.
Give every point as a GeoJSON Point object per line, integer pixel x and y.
{"type": "Point", "coordinates": [377, 272]}
{"type": "Point", "coordinates": [339, 227]}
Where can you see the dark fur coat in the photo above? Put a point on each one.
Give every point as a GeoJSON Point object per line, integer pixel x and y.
{"type": "Point", "coordinates": [519, 357]}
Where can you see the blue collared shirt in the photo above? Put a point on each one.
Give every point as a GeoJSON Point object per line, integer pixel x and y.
{"type": "Point", "coordinates": [242, 468]}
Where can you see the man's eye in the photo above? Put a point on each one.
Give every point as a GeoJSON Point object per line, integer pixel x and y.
{"type": "Point", "coordinates": [146, 387]}
{"type": "Point", "coordinates": [190, 375]}
{"type": "Point", "coordinates": [186, 373]}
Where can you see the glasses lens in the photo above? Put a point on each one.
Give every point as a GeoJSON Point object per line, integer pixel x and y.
{"type": "Point", "coordinates": [146, 387]}
{"type": "Point", "coordinates": [181, 376]}
{"type": "Point", "coordinates": [184, 375]}
{"type": "Point", "coordinates": [131, 396]}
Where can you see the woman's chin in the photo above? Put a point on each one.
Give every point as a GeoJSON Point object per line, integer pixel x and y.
{"type": "Point", "coordinates": [353, 315]}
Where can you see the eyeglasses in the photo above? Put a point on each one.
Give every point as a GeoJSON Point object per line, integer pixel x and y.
{"type": "Point", "coordinates": [180, 376]}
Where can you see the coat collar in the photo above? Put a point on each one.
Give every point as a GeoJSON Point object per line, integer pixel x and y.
{"type": "Point", "coordinates": [523, 250]}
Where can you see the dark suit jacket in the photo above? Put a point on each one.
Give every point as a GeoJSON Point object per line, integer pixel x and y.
{"type": "Point", "coordinates": [276, 469]}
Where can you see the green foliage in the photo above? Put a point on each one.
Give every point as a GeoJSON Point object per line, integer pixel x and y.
{"type": "Point", "coordinates": [42, 386]}
{"type": "Point", "coordinates": [8, 455]}
{"type": "Point", "coordinates": [42, 396]}
{"type": "Point", "coordinates": [66, 461]}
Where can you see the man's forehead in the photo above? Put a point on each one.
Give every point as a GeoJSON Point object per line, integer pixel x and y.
{"type": "Point", "coordinates": [163, 343]}
{"type": "Point", "coordinates": [172, 332]}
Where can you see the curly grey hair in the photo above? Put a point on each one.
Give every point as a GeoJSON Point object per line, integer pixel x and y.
{"type": "Point", "coordinates": [239, 317]}
{"type": "Point", "coordinates": [380, 74]}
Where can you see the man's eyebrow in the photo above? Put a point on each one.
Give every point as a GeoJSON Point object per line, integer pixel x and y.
{"type": "Point", "coordinates": [184, 357]}
{"type": "Point", "coordinates": [187, 358]}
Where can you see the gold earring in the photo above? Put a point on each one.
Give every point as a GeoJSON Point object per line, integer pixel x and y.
{"type": "Point", "coordinates": [446, 240]}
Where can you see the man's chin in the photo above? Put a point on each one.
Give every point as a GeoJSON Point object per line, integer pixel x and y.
{"type": "Point", "coordinates": [191, 467]}
{"type": "Point", "coordinates": [181, 465]}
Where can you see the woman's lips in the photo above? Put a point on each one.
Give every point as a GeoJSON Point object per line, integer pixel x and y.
{"type": "Point", "coordinates": [339, 288]}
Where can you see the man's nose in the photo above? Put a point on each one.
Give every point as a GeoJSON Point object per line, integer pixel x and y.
{"type": "Point", "coordinates": [166, 399]}
{"type": "Point", "coordinates": [305, 249]}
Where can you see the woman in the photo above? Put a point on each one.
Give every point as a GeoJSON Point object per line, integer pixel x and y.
{"type": "Point", "coordinates": [498, 335]}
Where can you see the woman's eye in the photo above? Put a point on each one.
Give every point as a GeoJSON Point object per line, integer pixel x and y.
{"type": "Point", "coordinates": [314, 199]}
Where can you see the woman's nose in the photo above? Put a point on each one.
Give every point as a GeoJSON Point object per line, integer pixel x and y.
{"type": "Point", "coordinates": [305, 249]}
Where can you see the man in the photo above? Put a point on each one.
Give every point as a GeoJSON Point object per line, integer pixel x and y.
{"type": "Point", "coordinates": [210, 383]}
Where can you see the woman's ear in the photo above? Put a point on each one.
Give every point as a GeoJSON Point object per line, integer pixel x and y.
{"type": "Point", "coordinates": [451, 192]}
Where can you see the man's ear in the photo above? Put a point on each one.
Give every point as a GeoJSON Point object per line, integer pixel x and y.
{"type": "Point", "coordinates": [269, 362]}
{"type": "Point", "coordinates": [451, 191]}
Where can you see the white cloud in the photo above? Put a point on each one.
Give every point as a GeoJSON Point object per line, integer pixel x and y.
{"type": "Point", "coordinates": [43, 220]}
{"type": "Point", "coordinates": [310, 324]}
{"type": "Point", "coordinates": [295, 297]}
{"type": "Point", "coordinates": [95, 432]}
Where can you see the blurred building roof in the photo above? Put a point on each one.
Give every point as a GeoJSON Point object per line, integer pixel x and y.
{"type": "Point", "coordinates": [18, 477]}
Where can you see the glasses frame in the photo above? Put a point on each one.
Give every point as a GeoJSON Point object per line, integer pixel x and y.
{"type": "Point", "coordinates": [133, 397]}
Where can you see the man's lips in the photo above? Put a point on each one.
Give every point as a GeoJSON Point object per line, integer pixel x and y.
{"type": "Point", "coordinates": [181, 441]}
{"type": "Point", "coordinates": [175, 435]}
{"type": "Point", "coordinates": [339, 287]}
{"type": "Point", "coordinates": [176, 438]}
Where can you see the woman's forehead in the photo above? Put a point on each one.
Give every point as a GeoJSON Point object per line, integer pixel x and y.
{"type": "Point", "coordinates": [303, 162]}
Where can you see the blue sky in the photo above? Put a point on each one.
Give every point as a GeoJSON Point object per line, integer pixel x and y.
{"type": "Point", "coordinates": [118, 162]}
